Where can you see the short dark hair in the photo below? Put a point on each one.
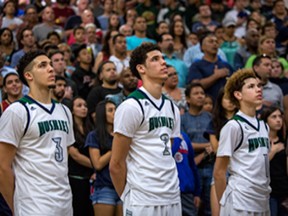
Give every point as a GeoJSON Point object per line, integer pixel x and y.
{"type": "Point", "coordinates": [53, 33]}
{"type": "Point", "coordinates": [100, 69]}
{"type": "Point", "coordinates": [191, 86]}
{"type": "Point", "coordinates": [25, 61]}
{"type": "Point", "coordinates": [53, 52]}
{"type": "Point", "coordinates": [57, 77]}
{"type": "Point", "coordinates": [258, 59]}
{"type": "Point", "coordinates": [160, 38]}
{"type": "Point", "coordinates": [78, 28]}
{"type": "Point", "coordinates": [116, 36]}
{"type": "Point", "coordinates": [139, 56]}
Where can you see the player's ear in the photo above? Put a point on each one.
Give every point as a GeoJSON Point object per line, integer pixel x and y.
{"type": "Point", "coordinates": [28, 76]}
{"type": "Point", "coordinates": [237, 95]}
{"type": "Point", "coordinates": [140, 68]}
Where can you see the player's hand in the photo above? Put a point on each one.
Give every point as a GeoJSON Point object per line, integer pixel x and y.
{"type": "Point", "coordinates": [277, 147]}
{"type": "Point", "coordinates": [220, 73]}
{"type": "Point", "coordinates": [197, 201]}
{"type": "Point", "coordinates": [209, 150]}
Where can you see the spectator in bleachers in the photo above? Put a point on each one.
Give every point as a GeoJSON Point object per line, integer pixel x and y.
{"type": "Point", "coordinates": [108, 85]}
{"type": "Point", "coordinates": [54, 37]}
{"type": "Point", "coordinates": [178, 33]}
{"type": "Point", "coordinates": [41, 30]}
{"type": "Point", "coordinates": [107, 50]}
{"type": "Point", "coordinates": [171, 90]}
{"type": "Point", "coordinates": [83, 75]}
{"type": "Point", "coordinates": [129, 82]}
{"type": "Point", "coordinates": [246, 50]}
{"type": "Point", "coordinates": [104, 198]}
{"type": "Point", "coordinates": [240, 15]}
{"type": "Point", "coordinates": [130, 17]}
{"type": "Point", "coordinates": [126, 30]}
{"type": "Point", "coordinates": [218, 10]}
{"type": "Point", "coordinates": [92, 40]}
{"type": "Point", "coordinates": [9, 19]}
{"type": "Point", "coordinates": [104, 18]}
{"type": "Point", "coordinates": [30, 18]}
{"type": "Point", "coordinates": [170, 7]}
{"type": "Point", "coordinates": [80, 37]}
{"type": "Point", "coordinates": [7, 45]}
{"type": "Point", "coordinates": [120, 56]}
{"type": "Point", "coordinates": [80, 167]}
{"type": "Point", "coordinates": [114, 22]}
{"type": "Point", "coordinates": [272, 93]}
{"type": "Point", "coordinates": [62, 11]}
{"type": "Point", "coordinates": [267, 46]}
{"type": "Point", "coordinates": [27, 39]}
{"type": "Point", "coordinates": [194, 123]}
{"type": "Point", "coordinates": [280, 15]}
{"type": "Point", "coordinates": [210, 71]}
{"type": "Point", "coordinates": [140, 30]}
{"type": "Point", "coordinates": [162, 27]}
{"type": "Point", "coordinates": [205, 20]}
{"type": "Point", "coordinates": [166, 44]}
{"type": "Point", "coordinates": [230, 42]}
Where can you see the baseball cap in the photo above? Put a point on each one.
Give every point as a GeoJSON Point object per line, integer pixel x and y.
{"type": "Point", "coordinates": [228, 22]}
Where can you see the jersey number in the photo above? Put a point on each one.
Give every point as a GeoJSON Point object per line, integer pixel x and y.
{"type": "Point", "coordinates": [58, 150]}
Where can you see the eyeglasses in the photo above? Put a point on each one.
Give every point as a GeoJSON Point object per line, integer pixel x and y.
{"type": "Point", "coordinates": [172, 74]}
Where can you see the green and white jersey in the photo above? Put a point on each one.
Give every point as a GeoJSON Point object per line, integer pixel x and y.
{"type": "Point", "coordinates": [151, 170]}
{"type": "Point", "coordinates": [246, 141]}
{"type": "Point", "coordinates": [41, 134]}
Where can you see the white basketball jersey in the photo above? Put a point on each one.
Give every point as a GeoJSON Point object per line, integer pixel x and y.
{"type": "Point", "coordinates": [247, 145]}
{"type": "Point", "coordinates": [41, 136]}
{"type": "Point", "coordinates": [151, 170]}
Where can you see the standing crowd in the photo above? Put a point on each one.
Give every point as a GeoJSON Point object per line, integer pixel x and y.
{"type": "Point", "coordinates": [144, 107]}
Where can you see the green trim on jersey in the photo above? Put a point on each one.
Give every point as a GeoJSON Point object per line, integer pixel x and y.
{"type": "Point", "coordinates": [137, 95]}
{"type": "Point", "coordinates": [241, 119]}
{"type": "Point", "coordinates": [25, 100]}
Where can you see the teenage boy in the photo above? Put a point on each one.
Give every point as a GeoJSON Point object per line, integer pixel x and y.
{"type": "Point", "coordinates": [244, 146]}
{"type": "Point", "coordinates": [142, 168]}
{"type": "Point", "coordinates": [34, 135]}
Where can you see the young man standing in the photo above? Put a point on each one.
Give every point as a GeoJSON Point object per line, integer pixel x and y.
{"type": "Point", "coordinates": [244, 146]}
{"type": "Point", "coordinates": [141, 167]}
{"type": "Point", "coordinates": [34, 135]}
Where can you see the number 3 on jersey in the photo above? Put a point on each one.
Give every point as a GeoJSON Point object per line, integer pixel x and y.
{"type": "Point", "coordinates": [58, 150]}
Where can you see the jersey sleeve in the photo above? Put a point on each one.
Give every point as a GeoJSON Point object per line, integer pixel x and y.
{"type": "Point", "coordinates": [12, 124]}
{"type": "Point", "coordinates": [91, 140]}
{"type": "Point", "coordinates": [128, 118]}
{"type": "Point", "coordinates": [230, 138]}
{"type": "Point", "coordinates": [176, 129]}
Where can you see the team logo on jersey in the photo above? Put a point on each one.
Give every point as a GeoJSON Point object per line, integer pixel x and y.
{"type": "Point", "coordinates": [33, 108]}
{"type": "Point", "coordinates": [178, 157]}
{"type": "Point", "coordinates": [146, 103]}
{"type": "Point", "coordinates": [257, 143]}
{"type": "Point", "coordinates": [162, 121]}
{"type": "Point", "coordinates": [52, 125]}
{"type": "Point", "coordinates": [165, 139]}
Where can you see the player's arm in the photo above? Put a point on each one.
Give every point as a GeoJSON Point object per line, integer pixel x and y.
{"type": "Point", "coordinates": [7, 179]}
{"type": "Point", "coordinates": [199, 147]}
{"type": "Point", "coordinates": [220, 169]}
{"type": "Point", "coordinates": [78, 157]}
{"type": "Point", "coordinates": [118, 169]}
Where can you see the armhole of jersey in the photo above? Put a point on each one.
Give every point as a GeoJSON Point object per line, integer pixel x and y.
{"type": "Point", "coordinates": [173, 109]}
{"type": "Point", "coordinates": [1, 109]}
{"type": "Point", "coordinates": [28, 117]}
{"type": "Point", "coordinates": [242, 136]}
{"type": "Point", "coordinates": [66, 113]}
{"type": "Point", "coordinates": [142, 110]}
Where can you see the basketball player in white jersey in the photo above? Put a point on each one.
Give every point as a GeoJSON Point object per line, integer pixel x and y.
{"type": "Point", "coordinates": [142, 168]}
{"type": "Point", "coordinates": [243, 151]}
{"type": "Point", "coordinates": [34, 134]}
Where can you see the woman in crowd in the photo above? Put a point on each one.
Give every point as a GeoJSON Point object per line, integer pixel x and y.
{"type": "Point", "coordinates": [222, 112]}
{"type": "Point", "coordinates": [273, 116]}
{"type": "Point", "coordinates": [170, 90]}
{"type": "Point", "coordinates": [80, 167]}
{"type": "Point", "coordinates": [267, 46]}
{"type": "Point", "coordinates": [107, 50]}
{"type": "Point", "coordinates": [7, 46]}
{"type": "Point", "coordinates": [104, 198]}
{"type": "Point", "coordinates": [177, 31]}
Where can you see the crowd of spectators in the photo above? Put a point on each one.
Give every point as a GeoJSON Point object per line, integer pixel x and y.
{"type": "Point", "coordinates": [203, 43]}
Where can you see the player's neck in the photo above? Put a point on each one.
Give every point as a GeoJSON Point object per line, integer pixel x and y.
{"type": "Point", "coordinates": [41, 95]}
{"type": "Point", "coordinates": [248, 110]}
{"type": "Point", "coordinates": [155, 89]}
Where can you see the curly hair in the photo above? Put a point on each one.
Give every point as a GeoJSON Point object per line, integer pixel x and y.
{"type": "Point", "coordinates": [26, 63]}
{"type": "Point", "coordinates": [236, 82]}
{"type": "Point", "coordinates": [139, 56]}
